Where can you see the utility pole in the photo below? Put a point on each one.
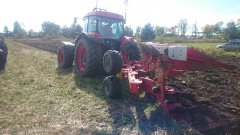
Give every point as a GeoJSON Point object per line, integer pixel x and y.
{"type": "Point", "coordinates": [125, 15]}
{"type": "Point", "coordinates": [126, 5]}
{"type": "Point", "coordinates": [96, 3]}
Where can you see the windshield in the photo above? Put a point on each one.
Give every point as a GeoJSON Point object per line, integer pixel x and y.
{"type": "Point", "coordinates": [107, 27]}
{"type": "Point", "coordinates": [110, 28]}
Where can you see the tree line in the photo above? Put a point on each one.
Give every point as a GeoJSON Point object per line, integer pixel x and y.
{"type": "Point", "coordinates": [49, 30]}
{"type": "Point", "coordinates": [230, 30]}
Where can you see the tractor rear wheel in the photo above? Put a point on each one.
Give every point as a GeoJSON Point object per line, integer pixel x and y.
{"type": "Point", "coordinates": [112, 62]}
{"type": "Point", "coordinates": [3, 59]}
{"type": "Point", "coordinates": [112, 87]}
{"type": "Point", "coordinates": [65, 56]}
{"type": "Point", "coordinates": [88, 57]}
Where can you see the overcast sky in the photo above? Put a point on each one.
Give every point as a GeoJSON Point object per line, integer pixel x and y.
{"type": "Point", "coordinates": [32, 13]}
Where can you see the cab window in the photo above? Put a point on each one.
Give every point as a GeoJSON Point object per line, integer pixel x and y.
{"type": "Point", "coordinates": [92, 24]}
{"type": "Point", "coordinates": [110, 28]}
{"type": "Point", "coordinates": [85, 23]}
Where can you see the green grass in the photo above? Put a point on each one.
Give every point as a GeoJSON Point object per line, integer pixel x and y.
{"type": "Point", "coordinates": [210, 48]}
{"type": "Point", "coordinates": [202, 45]}
{"type": "Point", "coordinates": [37, 98]}
{"type": "Point", "coordinates": [174, 39]}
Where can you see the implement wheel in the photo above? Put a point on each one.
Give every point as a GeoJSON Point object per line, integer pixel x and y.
{"type": "Point", "coordinates": [112, 62]}
{"type": "Point", "coordinates": [112, 87]}
{"type": "Point", "coordinates": [88, 57]}
{"type": "Point", "coordinates": [65, 56]}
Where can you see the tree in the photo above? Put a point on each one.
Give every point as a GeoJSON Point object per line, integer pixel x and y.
{"type": "Point", "coordinates": [218, 27]}
{"type": "Point", "coordinates": [159, 31]}
{"type": "Point", "coordinates": [208, 30]}
{"type": "Point", "coordinates": [173, 31]}
{"type": "Point", "coordinates": [18, 32]}
{"type": "Point", "coordinates": [50, 29]}
{"type": "Point", "coordinates": [5, 29]}
{"type": "Point", "coordinates": [167, 31]}
{"type": "Point", "coordinates": [238, 22]}
{"type": "Point", "coordinates": [16, 27]}
{"type": "Point", "coordinates": [195, 30]}
{"type": "Point", "coordinates": [231, 31]}
{"type": "Point", "coordinates": [138, 32]}
{"type": "Point", "coordinates": [76, 30]}
{"type": "Point", "coordinates": [182, 26]}
{"type": "Point", "coordinates": [66, 31]}
{"type": "Point", "coordinates": [6, 32]}
{"type": "Point", "coordinates": [147, 33]}
{"type": "Point", "coordinates": [128, 31]}
{"type": "Point", "coordinates": [31, 33]}
{"type": "Point", "coordinates": [73, 31]}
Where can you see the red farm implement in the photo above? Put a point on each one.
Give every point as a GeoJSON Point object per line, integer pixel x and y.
{"type": "Point", "coordinates": [159, 63]}
{"type": "Point", "coordinates": [147, 67]}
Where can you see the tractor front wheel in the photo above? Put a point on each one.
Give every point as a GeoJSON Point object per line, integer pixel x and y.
{"type": "Point", "coordinates": [112, 62]}
{"type": "Point", "coordinates": [65, 56]}
{"type": "Point", "coordinates": [112, 87]}
{"type": "Point", "coordinates": [88, 57]}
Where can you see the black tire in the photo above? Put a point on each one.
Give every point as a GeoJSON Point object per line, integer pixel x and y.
{"type": "Point", "coordinates": [112, 62]}
{"type": "Point", "coordinates": [112, 87]}
{"type": "Point", "coordinates": [133, 52]}
{"type": "Point", "coordinates": [3, 47]}
{"type": "Point", "coordinates": [3, 59]}
{"type": "Point", "coordinates": [88, 57]}
{"type": "Point", "coordinates": [65, 56]}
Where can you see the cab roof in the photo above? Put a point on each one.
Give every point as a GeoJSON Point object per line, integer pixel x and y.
{"type": "Point", "coordinates": [104, 13]}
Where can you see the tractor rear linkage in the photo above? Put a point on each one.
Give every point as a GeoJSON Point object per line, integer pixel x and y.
{"type": "Point", "coordinates": [160, 62]}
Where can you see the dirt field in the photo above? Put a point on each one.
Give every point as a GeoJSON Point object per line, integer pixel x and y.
{"type": "Point", "coordinates": [44, 44]}
{"type": "Point", "coordinates": [220, 87]}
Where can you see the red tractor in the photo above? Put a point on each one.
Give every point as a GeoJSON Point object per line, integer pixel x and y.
{"type": "Point", "coordinates": [146, 66]}
{"type": "Point", "coordinates": [102, 36]}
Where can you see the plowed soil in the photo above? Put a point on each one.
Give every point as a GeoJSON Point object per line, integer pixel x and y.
{"type": "Point", "coordinates": [220, 87]}
{"type": "Point", "coordinates": [43, 44]}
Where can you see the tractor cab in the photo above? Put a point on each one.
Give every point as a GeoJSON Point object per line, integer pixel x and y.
{"type": "Point", "coordinates": [102, 24]}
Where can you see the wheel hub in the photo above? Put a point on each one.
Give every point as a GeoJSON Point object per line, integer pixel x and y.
{"type": "Point", "coordinates": [60, 57]}
{"type": "Point", "coordinates": [107, 63]}
{"type": "Point", "coordinates": [82, 58]}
